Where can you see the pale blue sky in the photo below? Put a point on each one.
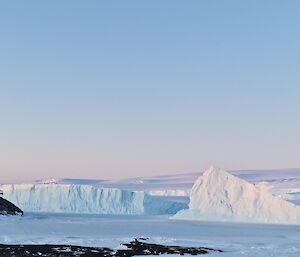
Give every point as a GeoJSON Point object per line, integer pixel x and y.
{"type": "Point", "coordinates": [109, 89]}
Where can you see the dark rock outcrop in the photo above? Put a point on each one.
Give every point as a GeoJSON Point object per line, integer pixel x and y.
{"type": "Point", "coordinates": [8, 208]}
{"type": "Point", "coordinates": [134, 248]}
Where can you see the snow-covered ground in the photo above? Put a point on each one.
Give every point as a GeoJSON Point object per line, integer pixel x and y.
{"type": "Point", "coordinates": [94, 230]}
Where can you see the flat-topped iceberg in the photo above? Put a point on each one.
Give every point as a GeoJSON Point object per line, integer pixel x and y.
{"type": "Point", "coordinates": [220, 196]}
{"type": "Point", "coordinates": [68, 198]}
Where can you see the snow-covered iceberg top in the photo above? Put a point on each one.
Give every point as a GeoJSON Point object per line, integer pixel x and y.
{"type": "Point", "coordinates": [220, 196]}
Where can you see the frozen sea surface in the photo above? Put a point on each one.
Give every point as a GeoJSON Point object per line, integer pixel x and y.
{"type": "Point", "coordinates": [104, 230]}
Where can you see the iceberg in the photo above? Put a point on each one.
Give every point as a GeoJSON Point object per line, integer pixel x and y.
{"type": "Point", "coordinates": [70, 198]}
{"type": "Point", "coordinates": [220, 196]}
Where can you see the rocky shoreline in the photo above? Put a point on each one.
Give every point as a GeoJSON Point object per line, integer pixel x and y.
{"type": "Point", "coordinates": [133, 248]}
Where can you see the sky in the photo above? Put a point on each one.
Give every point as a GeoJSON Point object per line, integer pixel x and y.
{"type": "Point", "coordinates": [115, 89]}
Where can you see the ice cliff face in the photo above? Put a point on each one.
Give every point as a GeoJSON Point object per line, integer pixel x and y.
{"type": "Point", "coordinates": [220, 196]}
{"type": "Point", "coordinates": [86, 199]}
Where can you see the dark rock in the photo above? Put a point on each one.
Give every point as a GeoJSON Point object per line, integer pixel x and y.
{"type": "Point", "coordinates": [8, 208]}
{"type": "Point", "coordinates": [133, 248]}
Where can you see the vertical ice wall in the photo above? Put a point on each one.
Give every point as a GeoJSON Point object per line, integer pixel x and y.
{"type": "Point", "coordinates": [86, 199]}
{"type": "Point", "coordinates": [74, 199]}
